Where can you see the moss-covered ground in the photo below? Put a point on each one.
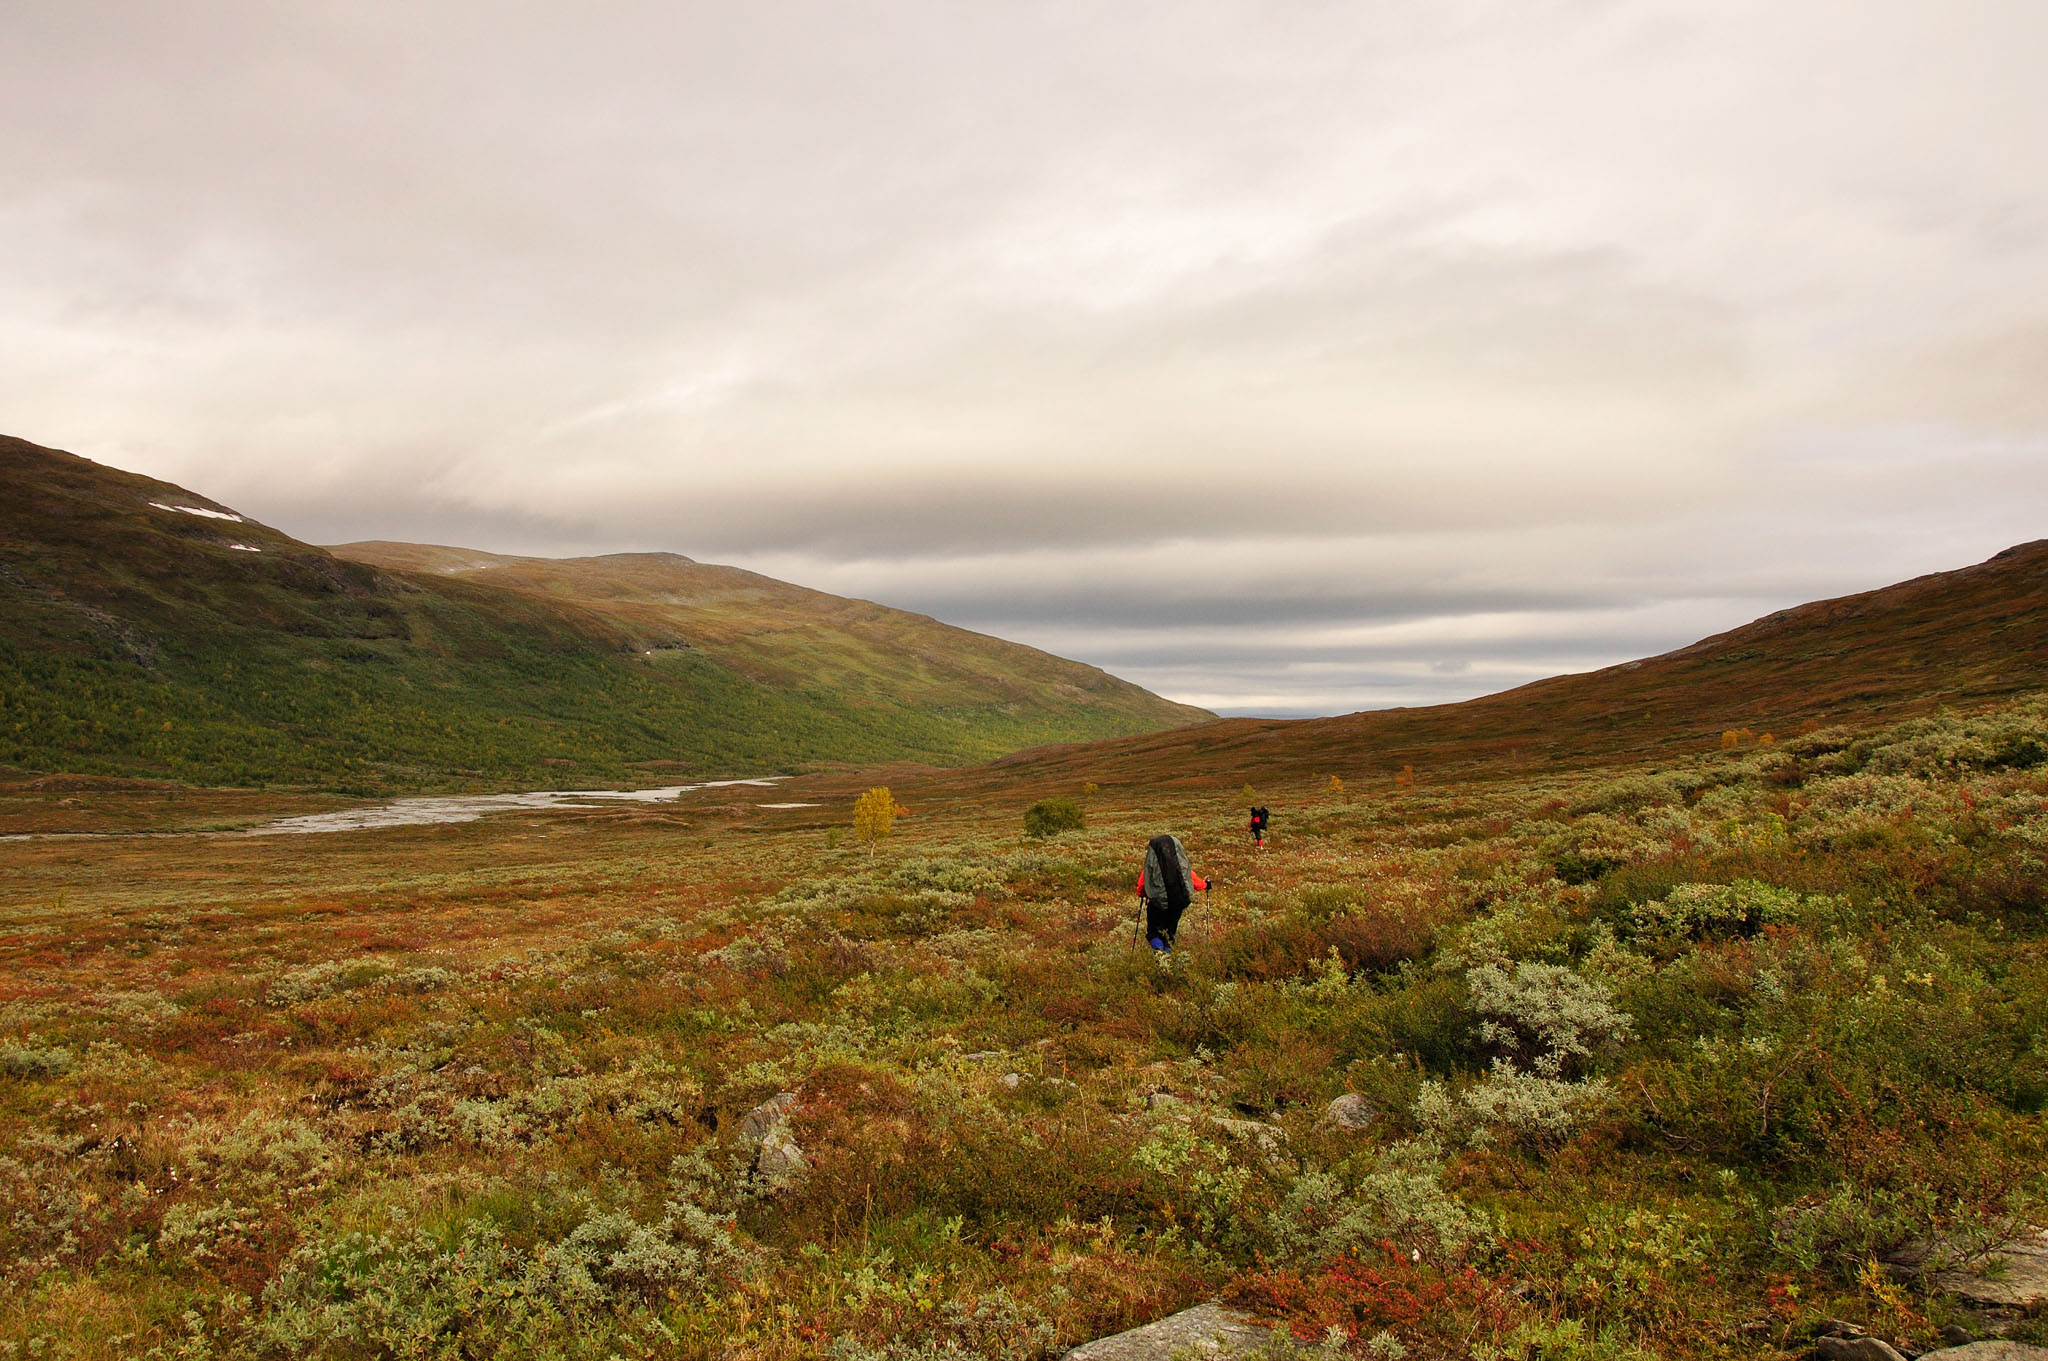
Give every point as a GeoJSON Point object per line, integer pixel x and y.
{"type": "Point", "coordinates": [1653, 1060]}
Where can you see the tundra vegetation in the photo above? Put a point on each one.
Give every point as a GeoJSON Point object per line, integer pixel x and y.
{"type": "Point", "coordinates": [1660, 1060]}
{"type": "Point", "coordinates": [1050, 817]}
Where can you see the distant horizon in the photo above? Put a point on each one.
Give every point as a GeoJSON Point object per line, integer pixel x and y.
{"type": "Point", "coordinates": [1453, 695]}
{"type": "Point", "coordinates": [1283, 362]}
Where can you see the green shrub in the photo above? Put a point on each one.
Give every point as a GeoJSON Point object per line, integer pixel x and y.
{"type": "Point", "coordinates": [1400, 1197]}
{"type": "Point", "coordinates": [1049, 817]}
{"type": "Point", "coordinates": [478, 1293]}
{"type": "Point", "coordinates": [1509, 1108]}
{"type": "Point", "coordinates": [1547, 1016]}
{"type": "Point", "coordinates": [21, 1060]}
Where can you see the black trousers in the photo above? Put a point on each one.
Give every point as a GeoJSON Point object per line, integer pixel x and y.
{"type": "Point", "coordinates": [1161, 921]}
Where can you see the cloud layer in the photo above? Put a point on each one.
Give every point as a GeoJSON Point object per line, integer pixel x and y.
{"type": "Point", "coordinates": [1286, 359]}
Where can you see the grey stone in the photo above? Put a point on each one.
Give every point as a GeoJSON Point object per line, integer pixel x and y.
{"type": "Point", "coordinates": [771, 1114]}
{"type": "Point", "coordinates": [778, 1158]}
{"type": "Point", "coordinates": [1207, 1331]}
{"type": "Point", "coordinates": [1352, 1111]}
{"type": "Point", "coordinates": [1988, 1351]}
{"type": "Point", "coordinates": [1012, 1080]}
{"type": "Point", "coordinates": [780, 1161]}
{"type": "Point", "coordinates": [1267, 1137]}
{"type": "Point", "coordinates": [2021, 1281]}
{"type": "Point", "coordinates": [1855, 1349]}
{"type": "Point", "coordinates": [1167, 1102]}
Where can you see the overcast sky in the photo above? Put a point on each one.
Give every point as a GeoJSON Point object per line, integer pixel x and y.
{"type": "Point", "coordinates": [1286, 358]}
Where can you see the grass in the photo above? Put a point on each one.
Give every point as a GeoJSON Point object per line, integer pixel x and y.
{"type": "Point", "coordinates": [1662, 1055]}
{"type": "Point", "coordinates": [137, 642]}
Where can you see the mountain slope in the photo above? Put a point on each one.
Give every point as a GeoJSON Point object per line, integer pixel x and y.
{"type": "Point", "coordinates": [1955, 638]}
{"type": "Point", "coordinates": [145, 629]}
{"type": "Point", "coordinates": [787, 636]}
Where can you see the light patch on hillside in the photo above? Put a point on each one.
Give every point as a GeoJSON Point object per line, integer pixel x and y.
{"type": "Point", "coordinates": [199, 510]}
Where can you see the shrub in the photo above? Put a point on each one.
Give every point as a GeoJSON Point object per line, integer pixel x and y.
{"type": "Point", "coordinates": [325, 979]}
{"type": "Point", "coordinates": [1401, 1199]}
{"type": "Point", "coordinates": [1049, 817]}
{"type": "Point", "coordinates": [482, 1295]}
{"type": "Point", "coordinates": [21, 1060]}
{"type": "Point", "coordinates": [994, 1326]}
{"type": "Point", "coordinates": [1507, 1108]}
{"type": "Point", "coordinates": [1545, 1014]}
{"type": "Point", "coordinates": [1384, 1305]}
{"type": "Point", "coordinates": [1701, 911]}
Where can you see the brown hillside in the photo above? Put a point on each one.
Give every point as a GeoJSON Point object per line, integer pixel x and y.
{"type": "Point", "coordinates": [1952, 638]}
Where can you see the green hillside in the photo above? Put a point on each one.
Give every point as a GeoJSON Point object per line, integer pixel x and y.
{"type": "Point", "coordinates": [147, 630]}
{"type": "Point", "coordinates": [680, 612]}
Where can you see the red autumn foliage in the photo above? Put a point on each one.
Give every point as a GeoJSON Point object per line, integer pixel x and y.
{"type": "Point", "coordinates": [1429, 1309]}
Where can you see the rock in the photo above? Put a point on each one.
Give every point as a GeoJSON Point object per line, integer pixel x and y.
{"type": "Point", "coordinates": [1267, 1137]}
{"type": "Point", "coordinates": [778, 1158]}
{"type": "Point", "coordinates": [780, 1161]}
{"type": "Point", "coordinates": [1988, 1351]}
{"type": "Point", "coordinates": [2021, 1282]}
{"type": "Point", "coordinates": [1855, 1349]}
{"type": "Point", "coordinates": [1165, 1101]}
{"type": "Point", "coordinates": [1012, 1080]}
{"type": "Point", "coordinates": [1206, 1331]}
{"type": "Point", "coordinates": [1352, 1111]}
{"type": "Point", "coordinates": [771, 1114]}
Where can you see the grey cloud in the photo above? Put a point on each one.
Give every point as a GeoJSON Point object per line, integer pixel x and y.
{"type": "Point", "coordinates": [1102, 325]}
{"type": "Point", "coordinates": [1245, 606]}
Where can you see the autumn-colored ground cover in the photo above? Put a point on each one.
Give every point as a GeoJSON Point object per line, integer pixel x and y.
{"type": "Point", "coordinates": [1662, 1059]}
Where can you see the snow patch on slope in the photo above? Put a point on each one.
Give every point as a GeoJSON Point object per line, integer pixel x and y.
{"type": "Point", "coordinates": [201, 510]}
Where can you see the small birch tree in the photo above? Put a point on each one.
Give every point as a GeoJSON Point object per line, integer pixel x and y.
{"type": "Point", "coordinates": [874, 814]}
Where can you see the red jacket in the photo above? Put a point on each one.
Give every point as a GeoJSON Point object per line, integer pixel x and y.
{"type": "Point", "coordinates": [1201, 884]}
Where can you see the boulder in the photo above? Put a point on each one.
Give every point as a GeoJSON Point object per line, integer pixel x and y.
{"type": "Point", "coordinates": [769, 1115]}
{"type": "Point", "coordinates": [1268, 1137]}
{"type": "Point", "coordinates": [1855, 1349]}
{"type": "Point", "coordinates": [1207, 1331]}
{"type": "Point", "coordinates": [778, 1158]}
{"type": "Point", "coordinates": [2020, 1282]}
{"type": "Point", "coordinates": [1988, 1351]}
{"type": "Point", "coordinates": [1351, 1111]}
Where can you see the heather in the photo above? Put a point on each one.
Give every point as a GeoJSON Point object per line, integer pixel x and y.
{"type": "Point", "coordinates": [1660, 1059]}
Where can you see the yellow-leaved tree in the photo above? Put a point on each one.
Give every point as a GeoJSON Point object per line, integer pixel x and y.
{"type": "Point", "coordinates": [874, 813]}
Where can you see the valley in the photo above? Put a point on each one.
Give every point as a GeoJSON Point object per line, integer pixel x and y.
{"type": "Point", "coordinates": [1656, 1044]}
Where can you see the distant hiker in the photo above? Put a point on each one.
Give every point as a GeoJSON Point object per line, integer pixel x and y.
{"type": "Point", "coordinates": [1259, 817]}
{"type": "Point", "coordinates": [1166, 886]}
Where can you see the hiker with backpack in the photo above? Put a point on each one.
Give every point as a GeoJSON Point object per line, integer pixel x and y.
{"type": "Point", "coordinates": [1166, 886]}
{"type": "Point", "coordinates": [1259, 819]}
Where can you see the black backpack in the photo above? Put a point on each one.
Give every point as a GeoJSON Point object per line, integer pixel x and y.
{"type": "Point", "coordinates": [1167, 874]}
{"type": "Point", "coordinates": [1259, 818]}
